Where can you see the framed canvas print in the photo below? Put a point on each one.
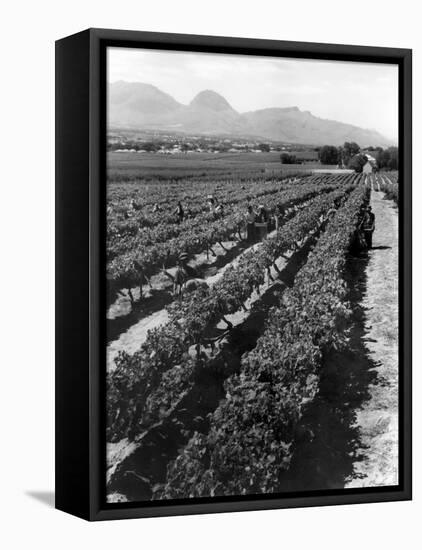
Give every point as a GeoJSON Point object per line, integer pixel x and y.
{"type": "Point", "coordinates": [233, 274]}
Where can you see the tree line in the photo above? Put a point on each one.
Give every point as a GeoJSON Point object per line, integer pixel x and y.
{"type": "Point", "coordinates": [350, 155]}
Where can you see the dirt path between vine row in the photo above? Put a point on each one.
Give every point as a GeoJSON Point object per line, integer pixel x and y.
{"type": "Point", "coordinates": [377, 419]}
{"type": "Point", "coordinates": [257, 306]}
{"type": "Point", "coordinates": [132, 339]}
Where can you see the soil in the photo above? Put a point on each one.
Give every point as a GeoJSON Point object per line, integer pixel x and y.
{"type": "Point", "coordinates": [135, 467]}
{"type": "Point", "coordinates": [128, 327]}
{"type": "Point", "coordinates": [132, 337]}
{"type": "Point", "coordinates": [377, 419]}
{"type": "Point", "coordinates": [349, 435]}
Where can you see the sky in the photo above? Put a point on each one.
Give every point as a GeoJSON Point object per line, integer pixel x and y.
{"type": "Point", "coordinates": [363, 94]}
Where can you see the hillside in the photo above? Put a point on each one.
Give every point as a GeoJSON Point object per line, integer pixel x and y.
{"type": "Point", "coordinates": [143, 106]}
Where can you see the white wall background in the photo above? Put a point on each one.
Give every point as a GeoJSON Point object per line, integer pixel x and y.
{"type": "Point", "coordinates": [28, 32]}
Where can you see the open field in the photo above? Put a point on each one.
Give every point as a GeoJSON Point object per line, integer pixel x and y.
{"type": "Point", "coordinates": [216, 387]}
{"type": "Point", "coordinates": [154, 167]}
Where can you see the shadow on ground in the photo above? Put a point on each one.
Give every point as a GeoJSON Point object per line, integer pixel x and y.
{"type": "Point", "coordinates": [146, 467]}
{"type": "Point", "coordinates": [159, 298]}
{"type": "Point", "coordinates": [45, 497]}
{"type": "Point", "coordinates": [328, 439]}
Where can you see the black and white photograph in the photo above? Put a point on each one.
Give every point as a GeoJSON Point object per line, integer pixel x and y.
{"type": "Point", "coordinates": [252, 275]}
{"type": "Point", "coordinates": [208, 257]}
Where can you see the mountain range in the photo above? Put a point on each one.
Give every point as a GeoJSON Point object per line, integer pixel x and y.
{"type": "Point", "coordinates": [143, 106]}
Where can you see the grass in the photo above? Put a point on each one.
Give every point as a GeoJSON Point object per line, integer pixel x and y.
{"type": "Point", "coordinates": [204, 166]}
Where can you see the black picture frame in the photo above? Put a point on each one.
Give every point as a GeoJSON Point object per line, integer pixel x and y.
{"type": "Point", "coordinates": [80, 280]}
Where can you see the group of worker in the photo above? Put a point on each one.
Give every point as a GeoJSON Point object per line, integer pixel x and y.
{"type": "Point", "coordinates": [214, 207]}
{"type": "Point", "coordinates": [256, 223]}
{"type": "Point", "coordinates": [259, 220]}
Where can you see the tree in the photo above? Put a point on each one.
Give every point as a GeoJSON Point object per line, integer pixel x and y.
{"type": "Point", "coordinates": [265, 148]}
{"type": "Point", "coordinates": [328, 155]}
{"type": "Point", "coordinates": [357, 162]}
{"type": "Point", "coordinates": [388, 159]}
{"type": "Point", "coordinates": [349, 150]}
{"type": "Point", "coordinates": [285, 158]}
{"type": "Point", "coordinates": [150, 146]}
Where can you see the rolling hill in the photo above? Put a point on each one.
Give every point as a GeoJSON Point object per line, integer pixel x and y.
{"type": "Point", "coordinates": [143, 106]}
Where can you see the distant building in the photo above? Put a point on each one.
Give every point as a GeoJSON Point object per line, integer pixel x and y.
{"type": "Point", "coordinates": [368, 167]}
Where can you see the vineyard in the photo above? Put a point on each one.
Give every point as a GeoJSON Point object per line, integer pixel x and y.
{"type": "Point", "coordinates": [209, 395]}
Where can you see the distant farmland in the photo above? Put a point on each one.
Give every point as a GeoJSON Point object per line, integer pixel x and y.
{"type": "Point", "coordinates": [152, 166]}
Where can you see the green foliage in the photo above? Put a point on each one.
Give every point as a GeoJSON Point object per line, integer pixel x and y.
{"type": "Point", "coordinates": [328, 154]}
{"type": "Point", "coordinates": [252, 433]}
{"type": "Point", "coordinates": [390, 185]}
{"type": "Point", "coordinates": [388, 159]}
{"type": "Point", "coordinates": [168, 346]}
{"type": "Point", "coordinates": [286, 158]}
{"type": "Point", "coordinates": [349, 150]}
{"type": "Point", "coordinates": [155, 238]}
{"type": "Point", "coordinates": [357, 163]}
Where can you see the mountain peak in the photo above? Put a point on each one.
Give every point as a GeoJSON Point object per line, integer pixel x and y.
{"type": "Point", "coordinates": [141, 105]}
{"type": "Point", "coordinates": [209, 99]}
